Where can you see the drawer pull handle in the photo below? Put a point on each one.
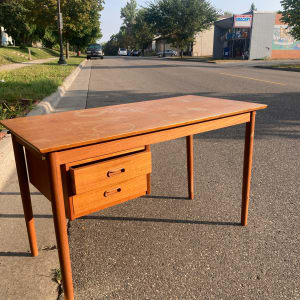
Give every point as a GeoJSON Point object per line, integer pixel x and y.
{"type": "Point", "coordinates": [115, 172]}
{"type": "Point", "coordinates": [108, 193]}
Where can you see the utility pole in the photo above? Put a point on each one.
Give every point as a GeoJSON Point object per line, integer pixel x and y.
{"type": "Point", "coordinates": [61, 60]}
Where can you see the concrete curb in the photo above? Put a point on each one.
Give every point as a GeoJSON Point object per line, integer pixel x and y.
{"type": "Point", "coordinates": [48, 104]}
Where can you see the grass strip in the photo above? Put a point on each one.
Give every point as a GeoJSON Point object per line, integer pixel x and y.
{"type": "Point", "coordinates": [290, 67]}
{"type": "Point", "coordinates": [9, 55]}
{"type": "Point", "coordinates": [21, 88]}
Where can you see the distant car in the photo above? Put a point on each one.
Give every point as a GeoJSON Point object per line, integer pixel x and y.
{"type": "Point", "coordinates": [136, 52]}
{"type": "Point", "coordinates": [122, 52]}
{"type": "Point", "coordinates": [167, 53]}
{"type": "Point", "coordinates": [94, 50]}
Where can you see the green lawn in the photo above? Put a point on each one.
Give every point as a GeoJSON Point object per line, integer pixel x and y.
{"type": "Point", "coordinates": [9, 55]}
{"type": "Point", "coordinates": [21, 88]}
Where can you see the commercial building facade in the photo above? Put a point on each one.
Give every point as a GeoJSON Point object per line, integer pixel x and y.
{"type": "Point", "coordinates": [254, 35]}
{"type": "Point", "coordinates": [204, 41]}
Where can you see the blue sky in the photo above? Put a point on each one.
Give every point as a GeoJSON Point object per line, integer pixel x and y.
{"type": "Point", "coordinates": [111, 22]}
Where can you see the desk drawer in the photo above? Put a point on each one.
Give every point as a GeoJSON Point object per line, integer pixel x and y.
{"type": "Point", "coordinates": [93, 176]}
{"type": "Point", "coordinates": [89, 202]}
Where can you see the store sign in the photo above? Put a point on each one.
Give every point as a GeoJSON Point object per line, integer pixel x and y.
{"type": "Point", "coordinates": [242, 21]}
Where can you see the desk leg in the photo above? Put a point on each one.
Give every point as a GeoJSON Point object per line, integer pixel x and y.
{"type": "Point", "coordinates": [59, 218]}
{"type": "Point", "coordinates": [148, 192]}
{"type": "Point", "coordinates": [248, 153]}
{"type": "Point", "coordinates": [25, 195]}
{"type": "Point", "coordinates": [190, 165]}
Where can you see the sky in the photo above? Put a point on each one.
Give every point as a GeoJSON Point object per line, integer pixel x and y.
{"type": "Point", "coordinates": [111, 21]}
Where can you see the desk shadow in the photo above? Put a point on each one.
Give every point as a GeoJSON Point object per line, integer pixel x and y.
{"type": "Point", "coordinates": [8, 216]}
{"type": "Point", "coordinates": [164, 197]}
{"type": "Point", "coordinates": [18, 193]}
{"type": "Point", "coordinates": [130, 219]}
{"type": "Point", "coordinates": [23, 254]}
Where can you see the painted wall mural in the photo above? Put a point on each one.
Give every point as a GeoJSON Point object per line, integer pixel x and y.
{"type": "Point", "coordinates": [282, 40]}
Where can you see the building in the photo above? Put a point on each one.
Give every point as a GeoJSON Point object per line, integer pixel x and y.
{"type": "Point", "coordinates": [202, 46]}
{"type": "Point", "coordinates": [6, 40]}
{"type": "Point", "coordinates": [254, 35]}
{"type": "Point", "coordinates": [158, 45]}
{"type": "Point", "coordinates": [204, 41]}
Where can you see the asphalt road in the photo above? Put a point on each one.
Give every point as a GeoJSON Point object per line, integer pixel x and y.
{"type": "Point", "coordinates": [164, 246]}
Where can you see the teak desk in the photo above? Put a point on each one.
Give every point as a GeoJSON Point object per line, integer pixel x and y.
{"type": "Point", "coordinates": [87, 160]}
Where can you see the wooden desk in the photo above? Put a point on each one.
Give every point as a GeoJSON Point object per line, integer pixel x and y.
{"type": "Point", "coordinates": [86, 160]}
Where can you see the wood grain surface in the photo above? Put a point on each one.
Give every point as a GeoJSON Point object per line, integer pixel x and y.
{"type": "Point", "coordinates": [71, 129]}
{"type": "Point", "coordinates": [95, 200]}
{"type": "Point", "coordinates": [112, 171]}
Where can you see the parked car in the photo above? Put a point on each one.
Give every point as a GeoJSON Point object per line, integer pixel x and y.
{"type": "Point", "coordinates": [122, 52]}
{"type": "Point", "coordinates": [168, 52]}
{"type": "Point", "coordinates": [94, 50]}
{"type": "Point", "coordinates": [136, 52]}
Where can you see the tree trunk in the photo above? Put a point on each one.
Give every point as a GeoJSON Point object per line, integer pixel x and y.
{"type": "Point", "coordinates": [181, 53]}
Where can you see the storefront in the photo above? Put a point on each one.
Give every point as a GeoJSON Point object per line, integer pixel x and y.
{"type": "Point", "coordinates": [236, 38]}
{"type": "Point", "coordinates": [256, 35]}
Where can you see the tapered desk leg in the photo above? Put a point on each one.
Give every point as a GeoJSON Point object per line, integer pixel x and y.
{"type": "Point", "coordinates": [148, 176]}
{"type": "Point", "coordinates": [59, 218]}
{"type": "Point", "coordinates": [25, 195]}
{"type": "Point", "coordinates": [248, 153]}
{"type": "Point", "coordinates": [190, 165]}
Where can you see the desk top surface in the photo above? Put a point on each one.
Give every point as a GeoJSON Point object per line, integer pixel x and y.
{"type": "Point", "coordinates": [54, 132]}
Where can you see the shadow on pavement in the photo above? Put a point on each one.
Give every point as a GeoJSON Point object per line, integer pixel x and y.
{"type": "Point", "coordinates": [15, 254]}
{"type": "Point", "coordinates": [130, 219]}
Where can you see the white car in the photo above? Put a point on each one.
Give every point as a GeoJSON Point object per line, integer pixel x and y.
{"type": "Point", "coordinates": [122, 52]}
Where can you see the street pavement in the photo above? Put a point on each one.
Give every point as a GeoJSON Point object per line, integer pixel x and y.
{"type": "Point", "coordinates": [164, 246]}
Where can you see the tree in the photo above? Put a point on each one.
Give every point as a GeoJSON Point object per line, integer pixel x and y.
{"type": "Point", "coordinates": [226, 14]}
{"type": "Point", "coordinates": [253, 7]}
{"type": "Point", "coordinates": [15, 17]}
{"type": "Point", "coordinates": [179, 20]}
{"type": "Point", "coordinates": [30, 20]}
{"type": "Point", "coordinates": [81, 25]}
{"type": "Point", "coordinates": [142, 31]}
{"type": "Point", "coordinates": [111, 47]}
{"type": "Point", "coordinates": [128, 14]}
{"type": "Point", "coordinates": [291, 16]}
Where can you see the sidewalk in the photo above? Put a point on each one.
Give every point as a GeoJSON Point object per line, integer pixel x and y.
{"type": "Point", "coordinates": [10, 67]}
{"type": "Point", "coordinates": [25, 277]}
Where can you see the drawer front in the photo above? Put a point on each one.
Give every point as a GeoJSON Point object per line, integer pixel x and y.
{"type": "Point", "coordinates": [89, 202]}
{"type": "Point", "coordinates": [97, 175]}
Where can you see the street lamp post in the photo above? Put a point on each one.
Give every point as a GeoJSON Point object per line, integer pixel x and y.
{"type": "Point", "coordinates": [61, 60]}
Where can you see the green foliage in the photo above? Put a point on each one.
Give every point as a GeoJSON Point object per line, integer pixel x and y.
{"type": "Point", "coordinates": [31, 20]}
{"type": "Point", "coordinates": [15, 17]}
{"type": "Point", "coordinates": [291, 16]}
{"type": "Point", "coordinates": [81, 21]}
{"type": "Point", "coordinates": [135, 32]}
{"type": "Point", "coordinates": [179, 20]}
{"type": "Point", "coordinates": [142, 31]}
{"type": "Point", "coordinates": [129, 12]}
{"type": "Point", "coordinates": [253, 7]}
{"type": "Point", "coordinates": [111, 47]}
